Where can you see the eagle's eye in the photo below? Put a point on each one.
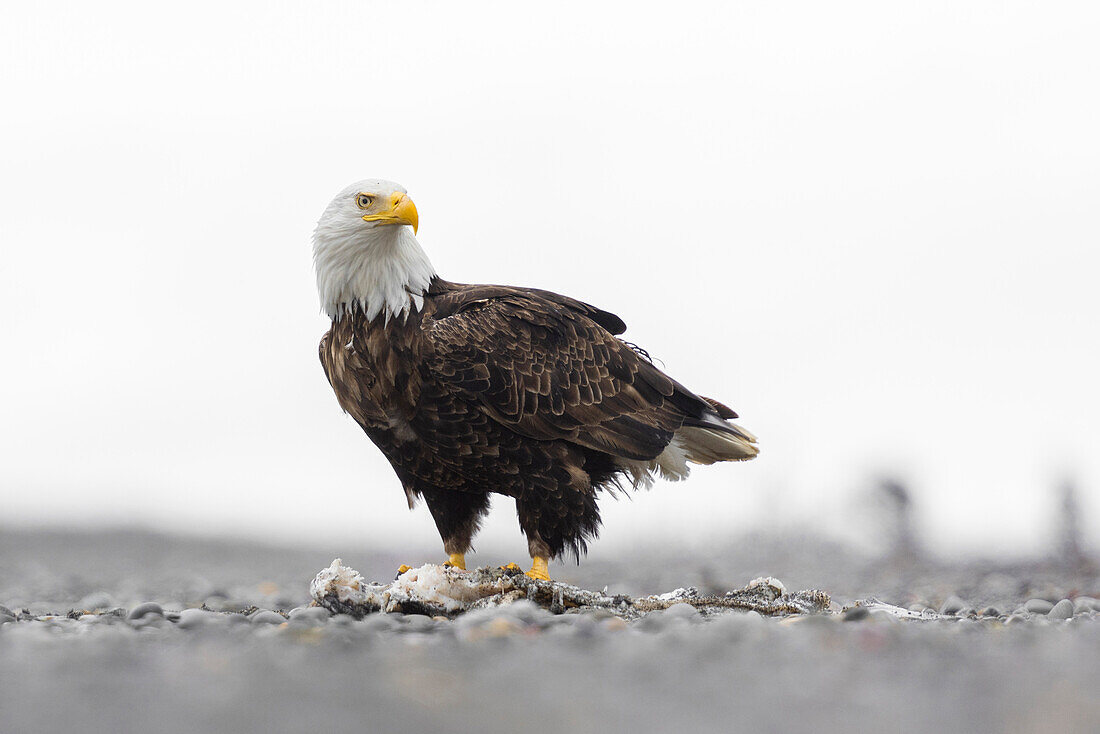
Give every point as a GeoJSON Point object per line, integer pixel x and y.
{"type": "Point", "coordinates": [363, 201]}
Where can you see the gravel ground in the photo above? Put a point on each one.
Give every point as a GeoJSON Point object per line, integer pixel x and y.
{"type": "Point", "coordinates": [1012, 648]}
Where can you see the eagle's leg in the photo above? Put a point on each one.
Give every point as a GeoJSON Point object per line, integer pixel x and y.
{"type": "Point", "coordinates": [557, 510]}
{"type": "Point", "coordinates": [457, 516]}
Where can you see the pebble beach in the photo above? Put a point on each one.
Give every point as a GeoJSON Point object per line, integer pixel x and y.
{"type": "Point", "coordinates": [135, 631]}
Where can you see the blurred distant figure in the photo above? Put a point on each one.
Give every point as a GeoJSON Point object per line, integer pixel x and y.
{"type": "Point", "coordinates": [900, 530]}
{"type": "Point", "coordinates": [1071, 549]}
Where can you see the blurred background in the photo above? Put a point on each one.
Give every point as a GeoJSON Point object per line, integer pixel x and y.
{"type": "Point", "coordinates": [869, 229]}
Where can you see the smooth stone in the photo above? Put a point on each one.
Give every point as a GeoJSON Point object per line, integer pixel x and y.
{"type": "Point", "coordinates": [379, 622]}
{"type": "Point", "coordinates": [5, 610]}
{"type": "Point", "coordinates": [991, 612]}
{"type": "Point", "coordinates": [525, 611]}
{"type": "Point", "coordinates": [1061, 610]}
{"type": "Point", "coordinates": [151, 622]}
{"type": "Point", "coordinates": [653, 621]}
{"type": "Point", "coordinates": [1086, 604]}
{"type": "Point", "coordinates": [5, 618]}
{"type": "Point", "coordinates": [952, 605]}
{"type": "Point", "coordinates": [1038, 606]}
{"type": "Point", "coordinates": [1018, 619]}
{"type": "Point", "coordinates": [418, 623]}
{"type": "Point", "coordinates": [855, 614]}
{"type": "Point", "coordinates": [313, 614]}
{"type": "Point", "coordinates": [192, 618]}
{"type": "Point", "coordinates": [141, 610]}
{"type": "Point", "coordinates": [579, 623]}
{"type": "Point", "coordinates": [612, 624]}
{"type": "Point", "coordinates": [682, 611]}
{"type": "Point", "coordinates": [266, 616]}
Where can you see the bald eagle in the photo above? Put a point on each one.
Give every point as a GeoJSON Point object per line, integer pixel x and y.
{"type": "Point", "coordinates": [471, 390]}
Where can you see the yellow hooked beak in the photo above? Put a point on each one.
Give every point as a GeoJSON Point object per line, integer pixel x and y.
{"type": "Point", "coordinates": [402, 211]}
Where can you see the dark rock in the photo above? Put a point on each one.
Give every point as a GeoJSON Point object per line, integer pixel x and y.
{"type": "Point", "coordinates": [952, 605]}
{"type": "Point", "coordinates": [855, 614]}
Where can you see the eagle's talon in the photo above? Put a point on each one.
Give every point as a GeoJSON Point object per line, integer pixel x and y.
{"type": "Point", "coordinates": [402, 569]}
{"type": "Point", "coordinates": [456, 561]}
{"type": "Point", "coordinates": [540, 569]}
{"type": "Point", "coordinates": [511, 567]}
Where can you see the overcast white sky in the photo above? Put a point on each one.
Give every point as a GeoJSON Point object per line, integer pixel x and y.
{"type": "Point", "coordinates": [870, 228]}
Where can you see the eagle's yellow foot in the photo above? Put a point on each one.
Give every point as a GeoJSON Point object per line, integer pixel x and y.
{"type": "Point", "coordinates": [510, 567]}
{"type": "Point", "coordinates": [456, 560]}
{"type": "Point", "coordinates": [402, 569]}
{"type": "Point", "coordinates": [540, 569]}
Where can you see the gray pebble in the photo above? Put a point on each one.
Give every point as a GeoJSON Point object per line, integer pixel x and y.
{"type": "Point", "coordinates": [855, 614]}
{"type": "Point", "coordinates": [1086, 604]}
{"type": "Point", "coordinates": [1061, 610]}
{"type": "Point", "coordinates": [991, 612]}
{"type": "Point", "coordinates": [418, 623]}
{"type": "Point", "coordinates": [525, 611]}
{"type": "Point", "coordinates": [192, 618]}
{"type": "Point", "coordinates": [682, 611]}
{"type": "Point", "coordinates": [265, 616]}
{"type": "Point", "coordinates": [653, 621]}
{"type": "Point", "coordinates": [5, 618]}
{"type": "Point", "coordinates": [1038, 606]}
{"type": "Point", "coordinates": [583, 624]}
{"type": "Point", "coordinates": [5, 610]}
{"type": "Point", "coordinates": [952, 605]}
{"type": "Point", "coordinates": [381, 622]}
{"type": "Point", "coordinates": [141, 610]}
{"type": "Point", "coordinates": [312, 614]}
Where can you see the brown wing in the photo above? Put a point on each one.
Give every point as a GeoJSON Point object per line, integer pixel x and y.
{"type": "Point", "coordinates": [349, 376]}
{"type": "Point", "coordinates": [544, 366]}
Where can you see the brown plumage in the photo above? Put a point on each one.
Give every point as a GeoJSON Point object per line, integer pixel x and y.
{"type": "Point", "coordinates": [520, 392]}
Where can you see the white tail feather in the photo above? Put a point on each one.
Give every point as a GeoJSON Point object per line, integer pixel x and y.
{"type": "Point", "coordinates": [695, 445]}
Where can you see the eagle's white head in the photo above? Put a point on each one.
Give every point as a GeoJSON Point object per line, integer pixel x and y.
{"type": "Point", "coordinates": [366, 254]}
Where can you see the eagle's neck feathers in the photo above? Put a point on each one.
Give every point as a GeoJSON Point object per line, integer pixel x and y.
{"type": "Point", "coordinates": [380, 271]}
